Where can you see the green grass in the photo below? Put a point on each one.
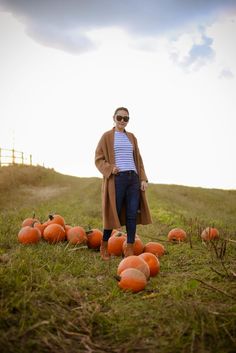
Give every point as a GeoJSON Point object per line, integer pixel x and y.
{"type": "Point", "coordinates": [59, 298]}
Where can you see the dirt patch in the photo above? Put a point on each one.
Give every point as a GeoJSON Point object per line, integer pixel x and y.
{"type": "Point", "coordinates": [44, 192]}
{"type": "Point", "coordinates": [24, 196]}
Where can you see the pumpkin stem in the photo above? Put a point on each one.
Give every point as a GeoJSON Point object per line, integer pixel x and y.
{"type": "Point", "coordinates": [88, 231]}
{"type": "Point", "coordinates": [32, 225]}
{"type": "Point", "coordinates": [117, 277]}
{"type": "Point", "coordinates": [50, 217]}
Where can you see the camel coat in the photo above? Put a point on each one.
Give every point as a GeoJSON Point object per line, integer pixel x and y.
{"type": "Point", "coordinates": [105, 161]}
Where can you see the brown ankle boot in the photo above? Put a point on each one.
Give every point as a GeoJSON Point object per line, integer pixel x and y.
{"type": "Point", "coordinates": [129, 250]}
{"type": "Point", "coordinates": [103, 250]}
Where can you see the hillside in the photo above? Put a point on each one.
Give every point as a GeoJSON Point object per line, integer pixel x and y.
{"type": "Point", "coordinates": [170, 204]}
{"type": "Point", "coordinates": [64, 298]}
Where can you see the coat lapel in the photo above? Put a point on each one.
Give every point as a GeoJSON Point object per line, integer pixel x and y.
{"type": "Point", "coordinates": [111, 146]}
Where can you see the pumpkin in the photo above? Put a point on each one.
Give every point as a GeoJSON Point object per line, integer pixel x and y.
{"type": "Point", "coordinates": [138, 246]}
{"type": "Point", "coordinates": [40, 227]}
{"type": "Point", "coordinates": [29, 222]}
{"type": "Point", "coordinates": [77, 235]}
{"type": "Point", "coordinates": [67, 227]}
{"type": "Point", "coordinates": [155, 248]}
{"type": "Point", "coordinates": [132, 279]}
{"type": "Point", "coordinates": [94, 237]}
{"type": "Point", "coordinates": [134, 261]}
{"type": "Point", "coordinates": [177, 234]}
{"type": "Point", "coordinates": [115, 231]}
{"type": "Point", "coordinates": [210, 233]}
{"type": "Point", "coordinates": [152, 261]}
{"type": "Point", "coordinates": [115, 243]}
{"type": "Point", "coordinates": [56, 219]}
{"type": "Point", "coordinates": [29, 235]}
{"type": "Point", "coordinates": [54, 233]}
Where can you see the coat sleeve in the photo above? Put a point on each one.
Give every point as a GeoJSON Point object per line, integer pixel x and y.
{"type": "Point", "coordinates": [142, 170]}
{"type": "Point", "coordinates": [100, 160]}
{"type": "Point", "coordinates": [142, 173]}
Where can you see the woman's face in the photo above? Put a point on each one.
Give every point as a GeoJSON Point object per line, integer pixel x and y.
{"type": "Point", "coordinates": [121, 119]}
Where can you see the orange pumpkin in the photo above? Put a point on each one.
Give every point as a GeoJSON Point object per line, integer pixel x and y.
{"type": "Point", "coordinates": [40, 227]}
{"type": "Point", "coordinates": [115, 243]}
{"type": "Point", "coordinates": [29, 235]}
{"type": "Point", "coordinates": [152, 261]}
{"type": "Point", "coordinates": [29, 222]}
{"type": "Point", "coordinates": [155, 248]}
{"type": "Point", "coordinates": [134, 261]}
{"type": "Point", "coordinates": [138, 246]}
{"type": "Point", "coordinates": [210, 233]}
{"type": "Point", "coordinates": [132, 279]}
{"type": "Point", "coordinates": [54, 233]}
{"type": "Point", "coordinates": [177, 234]}
{"type": "Point", "coordinates": [67, 227]}
{"type": "Point", "coordinates": [77, 235]}
{"type": "Point", "coordinates": [56, 219]}
{"type": "Point", "coordinates": [94, 237]}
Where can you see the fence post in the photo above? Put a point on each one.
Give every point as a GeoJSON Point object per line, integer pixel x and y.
{"type": "Point", "coordinates": [13, 156]}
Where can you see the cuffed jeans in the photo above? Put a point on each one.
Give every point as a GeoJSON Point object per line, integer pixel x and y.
{"type": "Point", "coordinates": [127, 187]}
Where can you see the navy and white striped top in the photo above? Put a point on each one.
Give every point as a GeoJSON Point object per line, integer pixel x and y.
{"type": "Point", "coordinates": [123, 149]}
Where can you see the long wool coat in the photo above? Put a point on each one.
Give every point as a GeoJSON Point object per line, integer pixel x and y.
{"type": "Point", "coordinates": [105, 161]}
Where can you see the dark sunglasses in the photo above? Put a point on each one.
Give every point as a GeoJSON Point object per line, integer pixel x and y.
{"type": "Point", "coordinates": [120, 117]}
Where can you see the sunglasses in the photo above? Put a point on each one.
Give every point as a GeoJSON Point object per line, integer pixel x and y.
{"type": "Point", "coordinates": [120, 117]}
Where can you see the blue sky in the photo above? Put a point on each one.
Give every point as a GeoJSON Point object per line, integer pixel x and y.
{"type": "Point", "coordinates": [66, 65]}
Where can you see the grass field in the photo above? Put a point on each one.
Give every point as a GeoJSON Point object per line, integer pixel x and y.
{"type": "Point", "coordinates": [60, 298]}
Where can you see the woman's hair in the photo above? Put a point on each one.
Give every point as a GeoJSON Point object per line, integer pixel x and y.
{"type": "Point", "coordinates": [121, 108]}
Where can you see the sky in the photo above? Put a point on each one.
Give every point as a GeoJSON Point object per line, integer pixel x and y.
{"type": "Point", "coordinates": [66, 65]}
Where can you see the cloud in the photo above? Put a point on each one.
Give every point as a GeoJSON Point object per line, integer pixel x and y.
{"type": "Point", "coordinates": [198, 55]}
{"type": "Point", "coordinates": [223, 32]}
{"type": "Point", "coordinates": [226, 74]}
{"type": "Point", "coordinates": [66, 39]}
{"type": "Point", "coordinates": [64, 24]}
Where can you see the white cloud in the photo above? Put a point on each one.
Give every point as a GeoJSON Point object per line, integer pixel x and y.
{"type": "Point", "coordinates": [197, 54]}
{"type": "Point", "coordinates": [224, 32]}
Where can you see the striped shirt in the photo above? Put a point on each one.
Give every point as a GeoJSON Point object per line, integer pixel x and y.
{"type": "Point", "coordinates": [123, 149]}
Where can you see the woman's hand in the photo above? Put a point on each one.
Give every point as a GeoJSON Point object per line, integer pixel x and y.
{"type": "Point", "coordinates": [115, 170]}
{"type": "Point", "coordinates": [144, 185]}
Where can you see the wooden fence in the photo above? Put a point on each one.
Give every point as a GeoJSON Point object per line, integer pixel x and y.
{"type": "Point", "coordinates": [10, 157]}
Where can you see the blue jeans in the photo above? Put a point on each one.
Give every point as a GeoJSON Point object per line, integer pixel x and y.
{"type": "Point", "coordinates": [127, 187]}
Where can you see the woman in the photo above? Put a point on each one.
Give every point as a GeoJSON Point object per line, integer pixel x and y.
{"type": "Point", "coordinates": [124, 202]}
